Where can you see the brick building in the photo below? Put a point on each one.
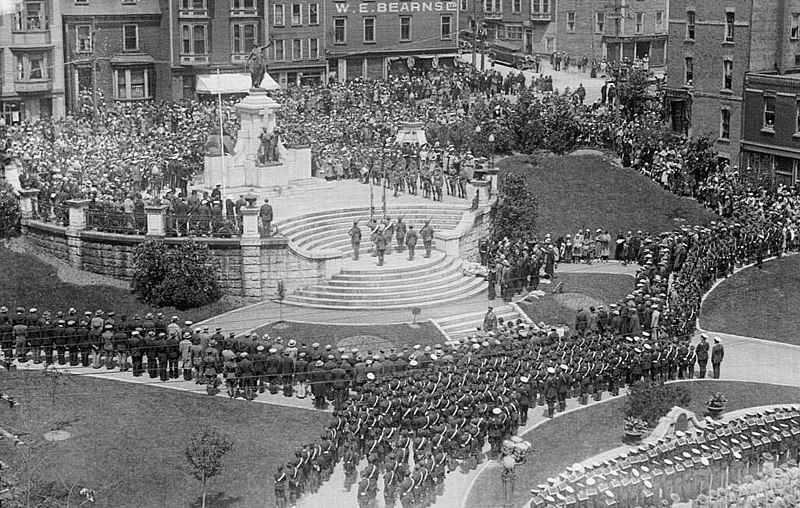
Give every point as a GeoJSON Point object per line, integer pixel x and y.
{"type": "Point", "coordinates": [31, 60]}
{"type": "Point", "coordinates": [297, 28]}
{"type": "Point", "coordinates": [528, 24]}
{"type": "Point", "coordinates": [367, 38]}
{"type": "Point", "coordinates": [713, 46]}
{"type": "Point", "coordinates": [614, 30]}
{"type": "Point", "coordinates": [115, 51]}
{"type": "Point", "coordinates": [770, 143]}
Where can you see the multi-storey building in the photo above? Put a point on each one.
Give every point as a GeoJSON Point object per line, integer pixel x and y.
{"type": "Point", "coordinates": [115, 50]}
{"type": "Point", "coordinates": [207, 37]}
{"type": "Point", "coordinates": [366, 38]}
{"type": "Point", "coordinates": [527, 24]}
{"type": "Point", "coordinates": [614, 30]}
{"type": "Point", "coordinates": [297, 29]}
{"type": "Point", "coordinates": [32, 59]}
{"type": "Point", "coordinates": [713, 46]}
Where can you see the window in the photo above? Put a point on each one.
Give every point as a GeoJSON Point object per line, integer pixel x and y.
{"type": "Point", "coordinates": [514, 32]}
{"type": "Point", "coordinates": [516, 6]}
{"type": "Point", "coordinates": [193, 5]}
{"type": "Point", "coordinates": [243, 5]}
{"type": "Point", "coordinates": [369, 29]}
{"type": "Point", "coordinates": [730, 19]}
{"type": "Point", "coordinates": [446, 31]}
{"type": "Point", "coordinates": [30, 16]}
{"type": "Point", "coordinates": [84, 2]}
{"type": "Point", "coordinates": [658, 25]}
{"type": "Point", "coordinates": [599, 22]}
{"type": "Point", "coordinates": [244, 37]}
{"type": "Point", "coordinates": [313, 49]}
{"type": "Point", "coordinates": [278, 15]}
{"type": "Point", "coordinates": [280, 50]}
{"type": "Point", "coordinates": [570, 22]}
{"type": "Point", "coordinates": [313, 14]}
{"type": "Point", "coordinates": [540, 7]}
{"type": "Point", "coordinates": [639, 22]}
{"type": "Point", "coordinates": [132, 84]}
{"type": "Point", "coordinates": [297, 14]}
{"type": "Point", "coordinates": [727, 74]}
{"type": "Point", "coordinates": [194, 39]}
{"type": "Point", "coordinates": [297, 49]}
{"type": "Point", "coordinates": [83, 38]}
{"type": "Point", "coordinates": [725, 123]}
{"type": "Point", "coordinates": [130, 37]}
{"type": "Point", "coordinates": [32, 66]}
{"type": "Point", "coordinates": [769, 112]}
{"type": "Point", "coordinates": [339, 30]}
{"type": "Point", "coordinates": [690, 25]}
{"type": "Point", "coordinates": [405, 28]}
{"type": "Point", "coordinates": [794, 32]}
{"type": "Point", "coordinates": [689, 68]}
{"type": "Point", "coordinates": [797, 117]}
{"type": "Point", "coordinates": [493, 6]}
{"type": "Point", "coordinates": [463, 5]}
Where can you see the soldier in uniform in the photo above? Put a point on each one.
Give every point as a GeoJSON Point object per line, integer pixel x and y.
{"type": "Point", "coordinates": [400, 233]}
{"type": "Point", "coordinates": [355, 239]}
{"type": "Point", "coordinates": [427, 237]}
{"type": "Point", "coordinates": [411, 241]}
{"type": "Point", "coordinates": [380, 245]}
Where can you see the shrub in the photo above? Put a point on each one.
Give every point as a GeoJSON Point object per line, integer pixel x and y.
{"type": "Point", "coordinates": [182, 276]}
{"type": "Point", "coordinates": [516, 211]}
{"type": "Point", "coordinates": [649, 401]}
{"type": "Point", "coordinates": [10, 214]}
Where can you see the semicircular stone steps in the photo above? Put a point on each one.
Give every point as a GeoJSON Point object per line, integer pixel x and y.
{"type": "Point", "coordinates": [465, 325]}
{"type": "Point", "coordinates": [328, 230]}
{"type": "Point", "coordinates": [399, 284]}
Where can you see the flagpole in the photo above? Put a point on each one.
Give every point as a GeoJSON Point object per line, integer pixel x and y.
{"type": "Point", "coordinates": [221, 132]}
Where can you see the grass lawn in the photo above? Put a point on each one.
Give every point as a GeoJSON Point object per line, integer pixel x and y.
{"type": "Point", "coordinates": [580, 290]}
{"type": "Point", "coordinates": [555, 446]}
{"type": "Point", "coordinates": [127, 440]}
{"type": "Point", "coordinates": [397, 335]}
{"type": "Point", "coordinates": [28, 282]}
{"type": "Point", "coordinates": [758, 303]}
{"type": "Point", "coordinates": [586, 191]}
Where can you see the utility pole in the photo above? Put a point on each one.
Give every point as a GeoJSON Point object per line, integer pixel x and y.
{"type": "Point", "coordinates": [94, 68]}
{"type": "Point", "coordinates": [474, 30]}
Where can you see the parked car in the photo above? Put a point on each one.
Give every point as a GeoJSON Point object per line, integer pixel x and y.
{"type": "Point", "coordinates": [510, 55]}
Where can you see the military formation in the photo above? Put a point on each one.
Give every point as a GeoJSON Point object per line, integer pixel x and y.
{"type": "Point", "coordinates": [384, 232]}
{"type": "Point", "coordinates": [435, 170]}
{"type": "Point", "coordinates": [744, 462]}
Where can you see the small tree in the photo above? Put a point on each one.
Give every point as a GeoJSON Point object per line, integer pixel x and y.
{"type": "Point", "coordinates": [649, 400]}
{"type": "Point", "coordinates": [280, 292]}
{"type": "Point", "coordinates": [204, 451]}
{"type": "Point", "coordinates": [10, 214]}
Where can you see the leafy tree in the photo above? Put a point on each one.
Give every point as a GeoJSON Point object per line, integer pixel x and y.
{"type": "Point", "coordinates": [204, 452]}
{"type": "Point", "coordinates": [515, 212]}
{"type": "Point", "coordinates": [649, 401]}
{"type": "Point", "coordinates": [701, 158]}
{"type": "Point", "coordinates": [183, 276]}
{"type": "Point", "coordinates": [10, 214]}
{"type": "Point", "coordinates": [636, 96]}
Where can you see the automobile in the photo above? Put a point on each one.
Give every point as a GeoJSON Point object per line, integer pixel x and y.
{"type": "Point", "coordinates": [510, 55]}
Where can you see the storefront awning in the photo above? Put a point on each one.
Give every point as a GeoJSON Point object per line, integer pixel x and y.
{"type": "Point", "coordinates": [231, 83]}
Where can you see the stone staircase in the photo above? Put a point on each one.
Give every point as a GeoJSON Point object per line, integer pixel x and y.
{"type": "Point", "coordinates": [327, 230]}
{"type": "Point", "coordinates": [463, 325]}
{"type": "Point", "coordinates": [399, 284]}
{"type": "Point", "coordinates": [296, 188]}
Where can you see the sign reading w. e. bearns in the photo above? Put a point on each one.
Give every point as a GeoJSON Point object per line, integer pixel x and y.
{"type": "Point", "coordinates": [381, 7]}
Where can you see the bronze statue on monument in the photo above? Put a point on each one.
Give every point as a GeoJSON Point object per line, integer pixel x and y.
{"type": "Point", "coordinates": [258, 64]}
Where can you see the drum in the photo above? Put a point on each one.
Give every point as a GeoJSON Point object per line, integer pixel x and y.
{"type": "Point", "coordinates": [507, 447]}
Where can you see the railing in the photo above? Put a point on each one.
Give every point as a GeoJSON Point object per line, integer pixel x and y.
{"type": "Point", "coordinates": [46, 211]}
{"type": "Point", "coordinates": [202, 224]}
{"type": "Point", "coordinates": [116, 221]}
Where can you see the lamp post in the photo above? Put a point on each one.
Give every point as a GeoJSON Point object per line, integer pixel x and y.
{"type": "Point", "coordinates": [491, 141]}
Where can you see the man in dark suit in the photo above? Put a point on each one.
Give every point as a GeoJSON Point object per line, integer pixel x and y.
{"type": "Point", "coordinates": [717, 353]}
{"type": "Point", "coordinates": [266, 218]}
{"type": "Point", "coordinates": [701, 350]}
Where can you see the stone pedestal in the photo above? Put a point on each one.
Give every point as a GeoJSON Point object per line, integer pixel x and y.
{"type": "Point", "coordinates": [250, 223]}
{"type": "Point", "coordinates": [156, 220]}
{"type": "Point", "coordinates": [77, 224]}
{"type": "Point", "coordinates": [27, 202]}
{"type": "Point", "coordinates": [481, 187]}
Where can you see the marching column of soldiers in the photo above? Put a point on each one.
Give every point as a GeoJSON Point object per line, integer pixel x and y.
{"type": "Point", "coordinates": [747, 461]}
{"type": "Point", "coordinates": [382, 234]}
